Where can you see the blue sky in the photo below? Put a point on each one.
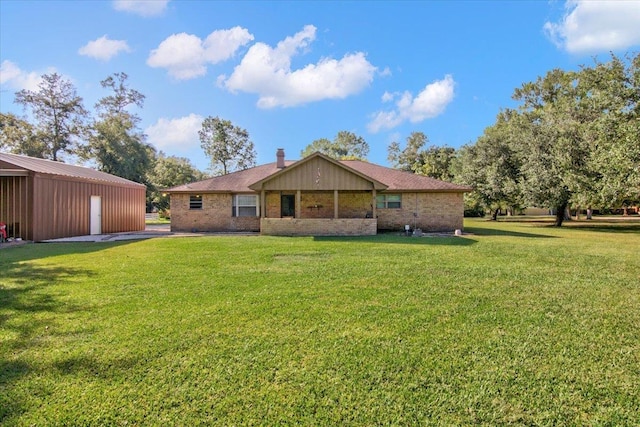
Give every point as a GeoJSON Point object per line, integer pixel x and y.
{"type": "Point", "coordinates": [293, 72]}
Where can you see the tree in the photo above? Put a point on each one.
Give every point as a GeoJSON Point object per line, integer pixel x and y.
{"type": "Point", "coordinates": [19, 137]}
{"type": "Point", "coordinates": [435, 161]}
{"type": "Point", "coordinates": [345, 146]}
{"type": "Point", "coordinates": [170, 171]}
{"type": "Point", "coordinates": [551, 142]}
{"type": "Point", "coordinates": [121, 99]}
{"type": "Point", "coordinates": [228, 147]}
{"type": "Point", "coordinates": [492, 168]}
{"type": "Point", "coordinates": [614, 134]}
{"type": "Point", "coordinates": [116, 144]}
{"type": "Point", "coordinates": [59, 113]}
{"type": "Point", "coordinates": [409, 158]}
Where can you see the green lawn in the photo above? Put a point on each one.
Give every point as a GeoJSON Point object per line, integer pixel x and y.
{"type": "Point", "coordinates": [516, 323]}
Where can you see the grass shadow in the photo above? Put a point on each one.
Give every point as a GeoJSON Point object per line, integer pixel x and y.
{"type": "Point", "coordinates": [82, 365]}
{"type": "Point", "coordinates": [31, 251]}
{"type": "Point", "coordinates": [10, 372]}
{"type": "Point", "coordinates": [480, 231]}
{"type": "Point", "coordinates": [400, 239]}
{"type": "Point", "coordinates": [605, 226]}
{"type": "Point", "coordinates": [29, 289]}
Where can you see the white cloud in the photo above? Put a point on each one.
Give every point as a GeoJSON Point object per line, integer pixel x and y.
{"type": "Point", "coordinates": [178, 134]}
{"type": "Point", "coordinates": [387, 97]}
{"type": "Point", "coordinates": [141, 7]}
{"type": "Point", "coordinates": [386, 72]}
{"type": "Point", "coordinates": [12, 76]}
{"type": "Point", "coordinates": [428, 104]}
{"type": "Point", "coordinates": [267, 72]}
{"type": "Point", "coordinates": [186, 56]}
{"type": "Point", "coordinates": [596, 26]}
{"type": "Point", "coordinates": [103, 48]}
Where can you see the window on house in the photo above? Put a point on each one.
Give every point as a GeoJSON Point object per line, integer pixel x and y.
{"type": "Point", "coordinates": [195, 201]}
{"type": "Point", "coordinates": [388, 201]}
{"type": "Point", "coordinates": [245, 205]}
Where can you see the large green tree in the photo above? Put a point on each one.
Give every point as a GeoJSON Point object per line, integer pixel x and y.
{"type": "Point", "coordinates": [19, 137]}
{"type": "Point", "coordinates": [170, 171]}
{"type": "Point", "coordinates": [116, 144]}
{"type": "Point", "coordinates": [60, 117]}
{"type": "Point", "coordinates": [576, 134]}
{"type": "Point", "coordinates": [552, 142]}
{"type": "Point", "coordinates": [345, 146]}
{"type": "Point", "coordinates": [614, 131]}
{"type": "Point", "coordinates": [408, 158]}
{"type": "Point", "coordinates": [434, 161]}
{"type": "Point", "coordinates": [227, 146]}
{"type": "Point", "coordinates": [492, 167]}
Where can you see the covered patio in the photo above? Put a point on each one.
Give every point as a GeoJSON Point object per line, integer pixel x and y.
{"type": "Point", "coordinates": [318, 197]}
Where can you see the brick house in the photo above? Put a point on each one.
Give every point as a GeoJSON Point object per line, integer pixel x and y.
{"type": "Point", "coordinates": [317, 196]}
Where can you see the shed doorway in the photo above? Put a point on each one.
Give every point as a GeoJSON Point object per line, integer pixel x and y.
{"type": "Point", "coordinates": [96, 215]}
{"type": "Point", "coordinates": [287, 205]}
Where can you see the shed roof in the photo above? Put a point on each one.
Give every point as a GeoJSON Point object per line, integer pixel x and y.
{"type": "Point", "coordinates": [393, 179]}
{"type": "Point", "coordinates": [61, 169]}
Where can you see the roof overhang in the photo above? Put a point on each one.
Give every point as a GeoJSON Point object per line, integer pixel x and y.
{"type": "Point", "coordinates": [14, 172]}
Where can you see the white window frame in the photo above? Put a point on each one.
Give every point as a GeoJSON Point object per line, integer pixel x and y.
{"type": "Point", "coordinates": [240, 207]}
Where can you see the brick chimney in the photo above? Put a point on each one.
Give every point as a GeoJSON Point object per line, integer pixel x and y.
{"type": "Point", "coordinates": [280, 158]}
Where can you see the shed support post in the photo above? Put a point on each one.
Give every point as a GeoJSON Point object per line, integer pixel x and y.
{"type": "Point", "coordinates": [335, 204]}
{"type": "Point", "coordinates": [298, 201]}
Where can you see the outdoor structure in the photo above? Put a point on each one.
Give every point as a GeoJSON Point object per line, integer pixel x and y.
{"type": "Point", "coordinates": [317, 196]}
{"type": "Point", "coordinates": [42, 199]}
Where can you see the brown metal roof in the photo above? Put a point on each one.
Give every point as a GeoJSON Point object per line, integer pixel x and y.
{"type": "Point", "coordinates": [62, 169]}
{"type": "Point", "coordinates": [393, 179]}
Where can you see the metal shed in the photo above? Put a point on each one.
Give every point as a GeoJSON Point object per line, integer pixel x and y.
{"type": "Point", "coordinates": [42, 199]}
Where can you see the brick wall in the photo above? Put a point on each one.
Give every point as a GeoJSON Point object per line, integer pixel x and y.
{"type": "Point", "coordinates": [316, 205]}
{"type": "Point", "coordinates": [215, 215]}
{"type": "Point", "coordinates": [354, 205]}
{"type": "Point", "coordinates": [273, 205]}
{"type": "Point", "coordinates": [435, 212]}
{"type": "Point", "coordinates": [318, 227]}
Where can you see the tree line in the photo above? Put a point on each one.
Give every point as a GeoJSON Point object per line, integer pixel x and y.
{"type": "Point", "coordinates": [61, 127]}
{"type": "Point", "coordinates": [572, 141]}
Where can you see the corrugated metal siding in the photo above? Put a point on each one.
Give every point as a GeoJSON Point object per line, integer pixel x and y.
{"type": "Point", "coordinates": [62, 207]}
{"type": "Point", "coordinates": [15, 206]}
{"type": "Point", "coordinates": [318, 174]}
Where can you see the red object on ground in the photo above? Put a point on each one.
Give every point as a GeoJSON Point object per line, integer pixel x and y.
{"type": "Point", "coordinates": [3, 230]}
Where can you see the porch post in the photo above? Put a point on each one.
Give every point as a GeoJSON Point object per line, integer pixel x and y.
{"type": "Point", "coordinates": [263, 204]}
{"type": "Point", "coordinates": [335, 204]}
{"type": "Point", "coordinates": [298, 201]}
{"type": "Point", "coordinates": [374, 204]}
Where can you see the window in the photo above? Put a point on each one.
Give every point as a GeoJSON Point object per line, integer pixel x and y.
{"type": "Point", "coordinates": [195, 201]}
{"type": "Point", "coordinates": [245, 205]}
{"type": "Point", "coordinates": [388, 201]}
